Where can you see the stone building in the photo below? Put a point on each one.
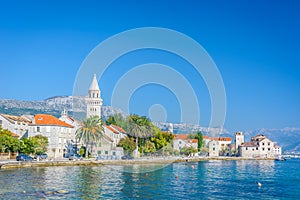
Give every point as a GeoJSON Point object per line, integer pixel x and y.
{"type": "Point", "coordinates": [59, 133]}
{"type": "Point", "coordinates": [259, 147]}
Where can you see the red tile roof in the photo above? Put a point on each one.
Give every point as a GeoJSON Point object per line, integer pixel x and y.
{"type": "Point", "coordinates": [221, 139]}
{"type": "Point", "coordinates": [118, 128]}
{"type": "Point", "coordinates": [111, 129]}
{"type": "Point", "coordinates": [250, 144]}
{"type": "Point", "coordinates": [13, 118]}
{"type": "Point", "coordinates": [44, 119]}
{"type": "Point", "coordinates": [181, 136]}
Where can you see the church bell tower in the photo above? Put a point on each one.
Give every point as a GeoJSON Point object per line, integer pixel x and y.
{"type": "Point", "coordinates": [93, 101]}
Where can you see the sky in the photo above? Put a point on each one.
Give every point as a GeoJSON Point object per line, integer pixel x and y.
{"type": "Point", "coordinates": [254, 44]}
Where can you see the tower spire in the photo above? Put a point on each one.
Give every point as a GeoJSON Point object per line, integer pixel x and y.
{"type": "Point", "coordinates": [94, 101]}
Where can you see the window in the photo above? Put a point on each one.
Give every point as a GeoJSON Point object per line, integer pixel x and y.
{"type": "Point", "coordinates": [106, 152]}
{"type": "Point", "coordinates": [99, 152]}
{"type": "Point", "coordinates": [252, 149]}
{"type": "Point", "coordinates": [0, 122]}
{"type": "Point", "coordinates": [214, 148]}
{"type": "Point", "coordinates": [38, 129]}
{"type": "Point", "coordinates": [179, 142]}
{"type": "Point", "coordinates": [263, 143]}
{"type": "Point", "coordinates": [269, 149]}
{"type": "Point", "coordinates": [269, 143]}
{"type": "Point", "coordinates": [256, 148]}
{"type": "Point", "coordinates": [263, 149]}
{"type": "Point", "coordinates": [114, 153]}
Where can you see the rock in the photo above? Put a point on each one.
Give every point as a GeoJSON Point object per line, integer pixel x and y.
{"type": "Point", "coordinates": [49, 192]}
{"type": "Point", "coordinates": [62, 191]}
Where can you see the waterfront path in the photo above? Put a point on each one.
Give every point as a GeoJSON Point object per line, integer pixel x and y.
{"type": "Point", "coordinates": [93, 162]}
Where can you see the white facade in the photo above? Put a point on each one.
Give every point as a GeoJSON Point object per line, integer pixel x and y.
{"type": "Point", "coordinates": [238, 140]}
{"type": "Point", "coordinates": [259, 147]}
{"type": "Point", "coordinates": [16, 124]}
{"type": "Point", "coordinates": [57, 132]}
{"type": "Point", "coordinates": [107, 146]}
{"type": "Point", "coordinates": [182, 141]}
{"type": "Point", "coordinates": [277, 151]}
{"type": "Point", "coordinates": [94, 101]}
{"type": "Point", "coordinates": [213, 148]}
{"type": "Point", "coordinates": [217, 145]}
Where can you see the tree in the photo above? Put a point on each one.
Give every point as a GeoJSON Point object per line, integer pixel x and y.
{"type": "Point", "coordinates": [139, 127]}
{"type": "Point", "coordinates": [91, 132]}
{"type": "Point", "coordinates": [128, 144]}
{"type": "Point", "coordinates": [40, 144]}
{"type": "Point", "coordinates": [161, 139]}
{"type": "Point", "coordinates": [8, 143]}
{"type": "Point", "coordinates": [200, 140]}
{"type": "Point", "coordinates": [118, 120]}
{"type": "Point", "coordinates": [199, 137]}
{"type": "Point", "coordinates": [188, 150]}
{"type": "Point", "coordinates": [149, 147]}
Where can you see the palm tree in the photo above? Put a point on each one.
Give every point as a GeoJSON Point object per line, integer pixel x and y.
{"type": "Point", "coordinates": [139, 127]}
{"type": "Point", "coordinates": [91, 132]}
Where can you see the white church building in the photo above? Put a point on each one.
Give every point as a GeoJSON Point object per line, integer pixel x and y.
{"type": "Point", "coordinates": [107, 146]}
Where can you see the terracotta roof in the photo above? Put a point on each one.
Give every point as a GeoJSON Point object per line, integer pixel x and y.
{"type": "Point", "coordinates": [118, 128]}
{"type": "Point", "coordinates": [181, 136]}
{"type": "Point", "coordinates": [194, 140]}
{"type": "Point", "coordinates": [221, 139]}
{"type": "Point", "coordinates": [44, 119]}
{"type": "Point", "coordinates": [13, 118]}
{"type": "Point", "coordinates": [111, 129]}
{"type": "Point", "coordinates": [250, 144]}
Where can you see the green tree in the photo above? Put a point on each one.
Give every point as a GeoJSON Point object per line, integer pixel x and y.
{"type": "Point", "coordinates": [149, 147]}
{"type": "Point", "coordinates": [27, 146]}
{"type": "Point", "coordinates": [117, 119]}
{"type": "Point", "coordinates": [199, 137]}
{"type": "Point", "coordinates": [188, 150]}
{"type": "Point", "coordinates": [8, 143]}
{"type": "Point", "coordinates": [200, 140]}
{"type": "Point", "coordinates": [40, 144]}
{"type": "Point", "coordinates": [91, 132]}
{"type": "Point", "coordinates": [128, 144]}
{"type": "Point", "coordinates": [139, 127]}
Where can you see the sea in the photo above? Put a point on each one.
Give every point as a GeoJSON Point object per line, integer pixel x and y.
{"type": "Point", "coordinates": [215, 179]}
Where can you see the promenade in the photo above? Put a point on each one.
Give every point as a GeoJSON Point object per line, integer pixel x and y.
{"type": "Point", "coordinates": [93, 162]}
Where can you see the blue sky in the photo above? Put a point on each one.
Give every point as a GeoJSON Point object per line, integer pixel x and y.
{"type": "Point", "coordinates": [255, 45]}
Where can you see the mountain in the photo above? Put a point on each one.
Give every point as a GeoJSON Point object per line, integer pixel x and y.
{"type": "Point", "coordinates": [75, 105]}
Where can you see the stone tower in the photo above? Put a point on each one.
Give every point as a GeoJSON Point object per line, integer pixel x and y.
{"type": "Point", "coordinates": [93, 101]}
{"type": "Point", "coordinates": [238, 140]}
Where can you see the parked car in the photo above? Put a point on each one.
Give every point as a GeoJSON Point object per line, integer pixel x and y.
{"type": "Point", "coordinates": [24, 157]}
{"type": "Point", "coordinates": [42, 156]}
{"type": "Point", "coordinates": [127, 157]}
{"type": "Point", "coordinates": [75, 157]}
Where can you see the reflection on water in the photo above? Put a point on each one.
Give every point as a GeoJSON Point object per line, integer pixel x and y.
{"type": "Point", "coordinates": [199, 180]}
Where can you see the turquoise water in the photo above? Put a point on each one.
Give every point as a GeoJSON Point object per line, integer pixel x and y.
{"type": "Point", "coordinates": [200, 180]}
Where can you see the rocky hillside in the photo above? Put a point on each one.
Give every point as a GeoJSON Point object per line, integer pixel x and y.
{"type": "Point", "coordinates": [75, 105]}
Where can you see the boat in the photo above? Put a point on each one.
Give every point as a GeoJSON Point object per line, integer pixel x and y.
{"type": "Point", "coordinates": [280, 158]}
